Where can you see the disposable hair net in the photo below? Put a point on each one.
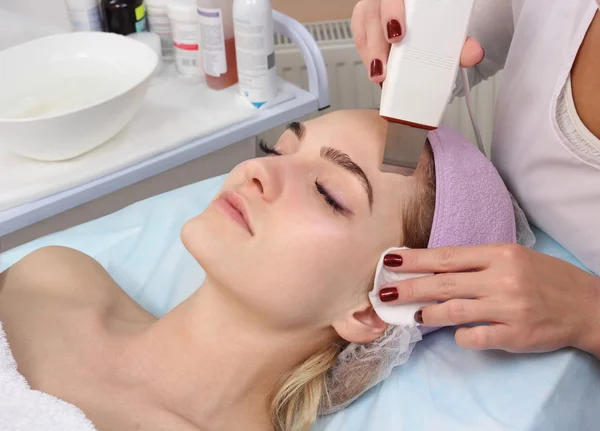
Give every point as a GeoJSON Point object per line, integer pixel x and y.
{"type": "Point", "coordinates": [359, 367]}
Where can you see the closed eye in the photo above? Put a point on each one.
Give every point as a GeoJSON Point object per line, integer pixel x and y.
{"type": "Point", "coordinates": [335, 205]}
{"type": "Point", "coordinates": [268, 150]}
{"type": "Point", "coordinates": [337, 208]}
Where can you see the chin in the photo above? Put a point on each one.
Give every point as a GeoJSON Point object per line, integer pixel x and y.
{"type": "Point", "coordinates": [201, 236]}
{"type": "Point", "coordinates": [216, 250]}
{"type": "Point", "coordinates": [212, 239]}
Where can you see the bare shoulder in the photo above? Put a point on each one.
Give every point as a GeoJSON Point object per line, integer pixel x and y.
{"type": "Point", "coordinates": [60, 271]}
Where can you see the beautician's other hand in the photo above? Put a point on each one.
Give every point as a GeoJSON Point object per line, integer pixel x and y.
{"type": "Point", "coordinates": [534, 302]}
{"type": "Point", "coordinates": [378, 23]}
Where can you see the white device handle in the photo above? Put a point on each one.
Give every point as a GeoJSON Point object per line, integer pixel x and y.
{"type": "Point", "coordinates": [422, 68]}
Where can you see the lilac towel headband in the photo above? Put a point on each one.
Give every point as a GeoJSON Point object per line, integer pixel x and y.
{"type": "Point", "coordinates": [472, 204]}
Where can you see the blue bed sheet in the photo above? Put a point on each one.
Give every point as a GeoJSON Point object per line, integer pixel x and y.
{"type": "Point", "coordinates": [442, 387]}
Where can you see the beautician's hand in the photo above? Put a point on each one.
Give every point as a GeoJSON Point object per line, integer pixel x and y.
{"type": "Point", "coordinates": [534, 302]}
{"type": "Point", "coordinates": [378, 23]}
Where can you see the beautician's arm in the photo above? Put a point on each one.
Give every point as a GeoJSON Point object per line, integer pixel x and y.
{"type": "Point", "coordinates": [590, 338]}
{"type": "Point", "coordinates": [594, 346]}
{"type": "Point", "coordinates": [535, 302]}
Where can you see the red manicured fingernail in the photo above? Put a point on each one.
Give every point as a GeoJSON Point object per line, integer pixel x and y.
{"type": "Point", "coordinates": [419, 317]}
{"type": "Point", "coordinates": [394, 29]}
{"type": "Point", "coordinates": [376, 67]}
{"type": "Point", "coordinates": [388, 294]}
{"type": "Point", "coordinates": [392, 260]}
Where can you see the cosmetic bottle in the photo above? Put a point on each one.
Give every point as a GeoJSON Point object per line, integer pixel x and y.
{"type": "Point", "coordinates": [124, 16]}
{"type": "Point", "coordinates": [159, 23]}
{"type": "Point", "coordinates": [84, 15]}
{"type": "Point", "coordinates": [217, 43]}
{"type": "Point", "coordinates": [184, 23]}
{"type": "Point", "coordinates": [255, 50]}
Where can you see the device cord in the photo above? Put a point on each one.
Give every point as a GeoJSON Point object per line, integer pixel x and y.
{"type": "Point", "coordinates": [468, 99]}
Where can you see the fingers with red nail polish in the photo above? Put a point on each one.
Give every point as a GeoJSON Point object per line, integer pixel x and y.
{"type": "Point", "coordinates": [394, 29]}
{"type": "Point", "coordinates": [393, 19]}
{"type": "Point", "coordinates": [370, 38]}
{"type": "Point", "coordinates": [388, 294]}
{"type": "Point", "coordinates": [392, 260]}
{"type": "Point", "coordinates": [376, 68]}
{"type": "Point", "coordinates": [419, 317]}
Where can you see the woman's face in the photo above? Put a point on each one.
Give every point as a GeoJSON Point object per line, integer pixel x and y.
{"type": "Point", "coordinates": [294, 238]}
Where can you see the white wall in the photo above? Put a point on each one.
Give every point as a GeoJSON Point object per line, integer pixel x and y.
{"type": "Point", "coordinates": [54, 11]}
{"type": "Point", "coordinates": [51, 12]}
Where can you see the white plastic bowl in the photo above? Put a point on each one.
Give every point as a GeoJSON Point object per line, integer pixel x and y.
{"type": "Point", "coordinates": [64, 95]}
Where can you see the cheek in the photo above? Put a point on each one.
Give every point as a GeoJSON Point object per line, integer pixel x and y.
{"type": "Point", "coordinates": [330, 263]}
{"type": "Point", "coordinates": [317, 269]}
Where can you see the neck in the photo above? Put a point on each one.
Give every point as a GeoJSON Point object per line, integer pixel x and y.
{"type": "Point", "coordinates": [210, 363]}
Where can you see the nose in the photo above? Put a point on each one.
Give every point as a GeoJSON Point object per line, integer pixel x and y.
{"type": "Point", "coordinates": [262, 178]}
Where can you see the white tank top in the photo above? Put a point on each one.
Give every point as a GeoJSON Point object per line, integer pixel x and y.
{"type": "Point", "coordinates": [579, 137]}
{"type": "Point", "coordinates": [556, 182]}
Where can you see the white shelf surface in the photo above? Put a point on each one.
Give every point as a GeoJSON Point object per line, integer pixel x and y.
{"type": "Point", "coordinates": [21, 216]}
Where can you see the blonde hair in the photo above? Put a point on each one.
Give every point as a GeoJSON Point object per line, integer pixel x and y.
{"type": "Point", "coordinates": [302, 392]}
{"type": "Point", "coordinates": [296, 403]}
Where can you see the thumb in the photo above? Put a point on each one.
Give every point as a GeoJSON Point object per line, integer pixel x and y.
{"type": "Point", "coordinates": [472, 53]}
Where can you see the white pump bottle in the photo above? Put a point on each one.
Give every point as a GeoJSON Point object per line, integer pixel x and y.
{"type": "Point", "coordinates": [255, 51]}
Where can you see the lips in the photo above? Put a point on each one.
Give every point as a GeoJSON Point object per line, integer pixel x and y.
{"type": "Point", "coordinates": [234, 206]}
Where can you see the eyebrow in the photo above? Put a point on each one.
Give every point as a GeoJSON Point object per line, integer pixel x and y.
{"type": "Point", "coordinates": [298, 128]}
{"type": "Point", "coordinates": [338, 158]}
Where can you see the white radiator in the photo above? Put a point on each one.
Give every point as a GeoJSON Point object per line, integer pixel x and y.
{"type": "Point", "coordinates": [350, 87]}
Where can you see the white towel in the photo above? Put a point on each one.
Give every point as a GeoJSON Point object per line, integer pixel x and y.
{"type": "Point", "coordinates": [24, 409]}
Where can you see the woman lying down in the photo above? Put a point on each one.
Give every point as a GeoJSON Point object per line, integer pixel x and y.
{"type": "Point", "coordinates": [282, 328]}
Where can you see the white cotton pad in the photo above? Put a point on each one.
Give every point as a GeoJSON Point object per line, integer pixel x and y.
{"type": "Point", "coordinates": [401, 315]}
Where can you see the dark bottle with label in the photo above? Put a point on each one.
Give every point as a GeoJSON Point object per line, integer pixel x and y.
{"type": "Point", "coordinates": [124, 16]}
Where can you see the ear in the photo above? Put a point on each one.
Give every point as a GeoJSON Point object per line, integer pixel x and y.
{"type": "Point", "coordinates": [361, 325]}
